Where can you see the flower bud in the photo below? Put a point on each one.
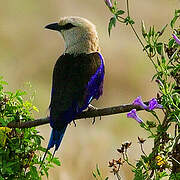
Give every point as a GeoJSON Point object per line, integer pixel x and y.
{"type": "Point", "coordinates": [108, 3]}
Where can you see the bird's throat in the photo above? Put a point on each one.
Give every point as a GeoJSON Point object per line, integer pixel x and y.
{"type": "Point", "coordinates": [78, 44]}
{"type": "Point", "coordinates": [81, 47]}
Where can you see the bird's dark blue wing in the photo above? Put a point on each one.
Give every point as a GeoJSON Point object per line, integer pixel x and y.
{"type": "Point", "coordinates": [94, 88]}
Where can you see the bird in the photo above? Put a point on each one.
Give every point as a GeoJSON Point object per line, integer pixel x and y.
{"type": "Point", "coordinates": [78, 75]}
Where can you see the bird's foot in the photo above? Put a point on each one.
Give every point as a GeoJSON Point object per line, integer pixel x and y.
{"type": "Point", "coordinates": [91, 107]}
{"type": "Point", "coordinates": [94, 120]}
{"type": "Point", "coordinates": [74, 123]}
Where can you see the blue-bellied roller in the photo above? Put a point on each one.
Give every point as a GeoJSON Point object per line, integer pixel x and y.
{"type": "Point", "coordinates": [77, 77]}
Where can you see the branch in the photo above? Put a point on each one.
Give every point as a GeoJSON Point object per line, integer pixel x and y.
{"type": "Point", "coordinates": [85, 114]}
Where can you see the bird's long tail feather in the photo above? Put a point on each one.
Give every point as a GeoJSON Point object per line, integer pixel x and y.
{"type": "Point", "coordinates": [55, 140]}
{"type": "Point", "coordinates": [56, 137]}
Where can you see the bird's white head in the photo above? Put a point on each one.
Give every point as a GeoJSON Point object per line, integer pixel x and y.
{"type": "Point", "coordinates": [80, 35]}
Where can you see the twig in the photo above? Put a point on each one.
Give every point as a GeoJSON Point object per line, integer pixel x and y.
{"type": "Point", "coordinates": [86, 114]}
{"type": "Point", "coordinates": [142, 149]}
{"type": "Point", "coordinates": [139, 39]}
{"type": "Point", "coordinates": [176, 160]}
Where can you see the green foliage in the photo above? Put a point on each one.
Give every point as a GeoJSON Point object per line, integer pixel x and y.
{"type": "Point", "coordinates": [176, 16]}
{"type": "Point", "coordinates": [20, 149]}
{"type": "Point", "coordinates": [118, 16]}
{"type": "Point", "coordinates": [97, 174]}
{"type": "Point", "coordinates": [151, 37]}
{"type": "Point", "coordinates": [112, 23]}
{"type": "Point", "coordinates": [164, 160]}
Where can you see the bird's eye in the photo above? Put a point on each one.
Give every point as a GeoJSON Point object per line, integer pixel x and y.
{"type": "Point", "coordinates": [68, 26]}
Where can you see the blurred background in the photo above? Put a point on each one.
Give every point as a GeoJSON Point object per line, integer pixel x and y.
{"type": "Point", "coordinates": [28, 53]}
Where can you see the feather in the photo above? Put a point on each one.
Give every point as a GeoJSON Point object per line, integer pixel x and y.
{"type": "Point", "coordinates": [77, 80]}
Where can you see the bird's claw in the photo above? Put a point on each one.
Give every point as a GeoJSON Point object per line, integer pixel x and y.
{"type": "Point", "coordinates": [91, 107]}
{"type": "Point", "coordinates": [94, 120]}
{"type": "Point", "coordinates": [74, 123]}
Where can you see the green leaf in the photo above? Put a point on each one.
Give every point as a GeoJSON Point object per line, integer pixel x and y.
{"type": "Point", "coordinates": [175, 176]}
{"type": "Point", "coordinates": [120, 12]}
{"type": "Point", "coordinates": [151, 124]}
{"type": "Point", "coordinates": [151, 49]}
{"type": "Point", "coordinates": [139, 164]}
{"type": "Point", "coordinates": [1, 178]}
{"type": "Point", "coordinates": [94, 174]}
{"type": "Point", "coordinates": [173, 22]}
{"type": "Point", "coordinates": [145, 159]}
{"type": "Point", "coordinates": [33, 171]}
{"type": "Point", "coordinates": [147, 47]}
{"type": "Point", "coordinates": [115, 3]}
{"type": "Point", "coordinates": [128, 20]}
{"type": "Point", "coordinates": [112, 23]}
{"type": "Point", "coordinates": [143, 29]}
{"type": "Point", "coordinates": [35, 109]}
{"type": "Point", "coordinates": [171, 42]}
{"type": "Point", "coordinates": [149, 33]}
{"type": "Point", "coordinates": [98, 171]}
{"type": "Point", "coordinates": [9, 164]}
{"type": "Point", "coordinates": [159, 48]}
{"type": "Point", "coordinates": [177, 11]}
{"type": "Point", "coordinates": [20, 99]}
{"type": "Point", "coordinates": [138, 174]}
{"type": "Point", "coordinates": [3, 83]}
{"type": "Point", "coordinates": [163, 174]}
{"type": "Point", "coordinates": [131, 21]}
{"type": "Point", "coordinates": [163, 59]}
{"type": "Point", "coordinates": [163, 29]}
{"type": "Point", "coordinates": [46, 171]}
{"type": "Point", "coordinates": [56, 161]}
{"type": "Point", "coordinates": [3, 122]}
{"type": "Point", "coordinates": [19, 93]}
{"type": "Point", "coordinates": [176, 16]}
{"type": "Point", "coordinates": [153, 31]}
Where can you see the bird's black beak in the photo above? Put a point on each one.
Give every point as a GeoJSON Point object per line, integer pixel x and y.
{"type": "Point", "coordinates": [53, 26]}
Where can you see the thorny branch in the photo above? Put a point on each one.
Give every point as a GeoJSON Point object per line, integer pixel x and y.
{"type": "Point", "coordinates": [85, 114]}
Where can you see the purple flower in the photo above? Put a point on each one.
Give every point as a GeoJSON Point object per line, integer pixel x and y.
{"type": "Point", "coordinates": [154, 104]}
{"type": "Point", "coordinates": [176, 39]}
{"type": "Point", "coordinates": [132, 114]}
{"type": "Point", "coordinates": [108, 3]}
{"type": "Point", "coordinates": [138, 101]}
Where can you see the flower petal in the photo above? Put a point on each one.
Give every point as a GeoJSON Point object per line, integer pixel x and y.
{"type": "Point", "coordinates": [176, 39]}
{"type": "Point", "coordinates": [138, 101]}
{"type": "Point", "coordinates": [108, 3]}
{"type": "Point", "coordinates": [132, 114]}
{"type": "Point", "coordinates": [154, 104]}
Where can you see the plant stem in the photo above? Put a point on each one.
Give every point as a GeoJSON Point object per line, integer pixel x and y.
{"type": "Point", "coordinates": [141, 145]}
{"type": "Point", "coordinates": [136, 34]}
{"type": "Point", "coordinates": [125, 157]}
{"type": "Point", "coordinates": [85, 114]}
{"type": "Point", "coordinates": [127, 2]}
{"type": "Point", "coordinates": [118, 176]}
